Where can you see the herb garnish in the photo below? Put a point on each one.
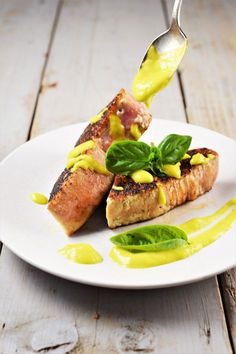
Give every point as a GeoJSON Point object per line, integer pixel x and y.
{"type": "Point", "coordinates": [125, 157]}
{"type": "Point", "coordinates": [151, 238]}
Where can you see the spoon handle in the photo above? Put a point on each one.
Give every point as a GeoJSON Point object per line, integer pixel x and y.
{"type": "Point", "coordinates": [175, 20]}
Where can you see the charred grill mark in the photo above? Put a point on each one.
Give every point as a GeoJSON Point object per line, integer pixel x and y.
{"type": "Point", "coordinates": [57, 186]}
{"type": "Point", "coordinates": [92, 131]}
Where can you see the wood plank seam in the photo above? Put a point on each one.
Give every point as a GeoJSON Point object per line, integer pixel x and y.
{"type": "Point", "coordinates": [51, 38]}
{"type": "Point", "coordinates": [167, 21]}
{"type": "Point", "coordinates": [96, 316]}
{"type": "Point", "coordinates": [181, 87]}
{"type": "Point", "coordinates": [228, 296]}
{"type": "Point", "coordinates": [54, 26]}
{"type": "Point", "coordinates": [221, 290]}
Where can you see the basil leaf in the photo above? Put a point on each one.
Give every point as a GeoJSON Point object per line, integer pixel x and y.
{"type": "Point", "coordinates": [125, 157]}
{"type": "Point", "coordinates": [151, 238]}
{"type": "Point", "coordinates": [173, 148]}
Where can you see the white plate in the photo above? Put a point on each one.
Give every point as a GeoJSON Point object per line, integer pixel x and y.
{"type": "Point", "coordinates": [31, 232]}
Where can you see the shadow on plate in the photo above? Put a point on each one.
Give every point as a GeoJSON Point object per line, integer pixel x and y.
{"type": "Point", "coordinates": [97, 222]}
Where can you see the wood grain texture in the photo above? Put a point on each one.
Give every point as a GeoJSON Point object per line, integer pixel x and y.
{"type": "Point", "coordinates": [39, 311]}
{"type": "Point", "coordinates": [209, 84]}
{"type": "Point", "coordinates": [208, 74]}
{"type": "Point", "coordinates": [228, 287]}
{"type": "Point", "coordinates": [90, 320]}
{"type": "Point", "coordinates": [25, 28]}
{"type": "Point", "coordinates": [162, 321]}
{"type": "Point", "coordinates": [36, 336]}
{"type": "Point", "coordinates": [79, 80]}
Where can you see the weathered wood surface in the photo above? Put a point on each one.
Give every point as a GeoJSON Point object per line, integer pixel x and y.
{"type": "Point", "coordinates": [209, 85]}
{"type": "Point", "coordinates": [42, 313]}
{"type": "Point", "coordinates": [228, 287]}
{"type": "Point", "coordinates": [25, 29]}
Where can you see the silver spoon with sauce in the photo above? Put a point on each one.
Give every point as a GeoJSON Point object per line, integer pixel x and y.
{"type": "Point", "coordinates": [161, 60]}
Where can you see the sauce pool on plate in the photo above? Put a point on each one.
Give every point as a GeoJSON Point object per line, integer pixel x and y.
{"type": "Point", "coordinates": [39, 198]}
{"type": "Point", "coordinates": [82, 253]}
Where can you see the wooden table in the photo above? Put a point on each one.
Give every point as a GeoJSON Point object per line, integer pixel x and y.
{"type": "Point", "coordinates": [60, 62]}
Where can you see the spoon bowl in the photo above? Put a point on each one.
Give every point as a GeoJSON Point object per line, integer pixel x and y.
{"type": "Point", "coordinates": [172, 39]}
{"type": "Point", "coordinates": [161, 60]}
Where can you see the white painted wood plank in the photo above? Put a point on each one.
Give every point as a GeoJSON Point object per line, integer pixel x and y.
{"type": "Point", "coordinates": [41, 311]}
{"type": "Point", "coordinates": [34, 303]}
{"type": "Point", "coordinates": [208, 73]}
{"type": "Point", "coordinates": [180, 320]}
{"type": "Point", "coordinates": [209, 81]}
{"type": "Point", "coordinates": [228, 285]}
{"type": "Point", "coordinates": [25, 28]}
{"type": "Point", "coordinates": [97, 50]}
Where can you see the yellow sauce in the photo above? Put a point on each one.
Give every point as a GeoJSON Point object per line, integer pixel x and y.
{"type": "Point", "coordinates": [142, 176]}
{"type": "Point", "coordinates": [88, 162]}
{"type": "Point", "coordinates": [210, 156]}
{"type": "Point", "coordinates": [156, 72]}
{"type": "Point", "coordinates": [118, 188]}
{"type": "Point", "coordinates": [39, 198]}
{"type": "Point", "coordinates": [81, 253]}
{"type": "Point", "coordinates": [161, 195]}
{"type": "Point", "coordinates": [172, 170]}
{"type": "Point", "coordinates": [117, 130]}
{"type": "Point", "coordinates": [186, 156]}
{"type": "Point", "coordinates": [198, 159]}
{"type": "Point", "coordinates": [80, 149]}
{"type": "Point", "coordinates": [135, 132]}
{"type": "Point", "coordinates": [225, 217]}
{"type": "Point", "coordinates": [98, 116]}
{"type": "Point", "coordinates": [77, 159]}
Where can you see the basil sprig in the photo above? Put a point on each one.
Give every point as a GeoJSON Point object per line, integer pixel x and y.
{"type": "Point", "coordinates": [125, 157]}
{"type": "Point", "coordinates": [151, 238]}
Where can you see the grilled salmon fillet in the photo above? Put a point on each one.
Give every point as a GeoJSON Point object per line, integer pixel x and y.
{"type": "Point", "coordinates": [139, 202]}
{"type": "Point", "coordinates": [75, 195]}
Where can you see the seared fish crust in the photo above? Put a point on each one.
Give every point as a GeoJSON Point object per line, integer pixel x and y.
{"type": "Point", "coordinates": [139, 202]}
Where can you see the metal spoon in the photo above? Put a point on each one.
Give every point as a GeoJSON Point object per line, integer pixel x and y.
{"type": "Point", "coordinates": [173, 38]}
{"type": "Point", "coordinates": [161, 60]}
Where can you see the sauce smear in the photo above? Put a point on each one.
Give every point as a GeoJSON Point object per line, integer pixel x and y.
{"type": "Point", "coordinates": [222, 221]}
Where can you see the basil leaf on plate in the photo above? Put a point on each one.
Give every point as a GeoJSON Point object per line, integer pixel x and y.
{"type": "Point", "coordinates": [151, 238]}
{"type": "Point", "coordinates": [125, 157]}
{"type": "Point", "coordinates": [173, 148]}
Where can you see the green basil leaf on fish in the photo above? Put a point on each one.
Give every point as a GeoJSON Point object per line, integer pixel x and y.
{"type": "Point", "coordinates": [125, 157]}
{"type": "Point", "coordinates": [173, 148]}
